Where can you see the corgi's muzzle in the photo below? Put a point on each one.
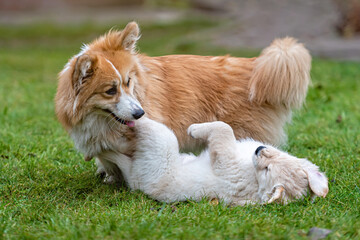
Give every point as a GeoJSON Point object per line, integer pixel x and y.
{"type": "Point", "coordinates": [126, 110]}
{"type": "Point", "coordinates": [137, 111]}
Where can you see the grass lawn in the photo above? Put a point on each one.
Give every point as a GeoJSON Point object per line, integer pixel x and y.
{"type": "Point", "coordinates": [47, 190]}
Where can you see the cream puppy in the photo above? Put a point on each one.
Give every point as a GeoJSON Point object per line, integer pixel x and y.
{"type": "Point", "coordinates": [237, 172]}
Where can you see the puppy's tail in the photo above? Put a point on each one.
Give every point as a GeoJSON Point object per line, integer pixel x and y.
{"type": "Point", "coordinates": [281, 74]}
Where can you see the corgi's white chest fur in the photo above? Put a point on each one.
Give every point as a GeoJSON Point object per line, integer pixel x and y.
{"type": "Point", "coordinates": [95, 135]}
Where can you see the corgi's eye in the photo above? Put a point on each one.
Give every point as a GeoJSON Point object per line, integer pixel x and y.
{"type": "Point", "coordinates": [128, 82]}
{"type": "Point", "coordinates": [112, 91]}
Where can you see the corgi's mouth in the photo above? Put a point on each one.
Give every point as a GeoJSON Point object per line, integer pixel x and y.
{"type": "Point", "coordinates": [122, 121]}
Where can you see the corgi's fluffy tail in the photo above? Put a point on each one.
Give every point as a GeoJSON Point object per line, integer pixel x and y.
{"type": "Point", "coordinates": [281, 74]}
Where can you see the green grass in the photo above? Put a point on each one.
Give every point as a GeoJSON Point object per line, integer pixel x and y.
{"type": "Point", "coordinates": [48, 191]}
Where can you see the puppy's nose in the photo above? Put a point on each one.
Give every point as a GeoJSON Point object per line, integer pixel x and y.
{"type": "Point", "coordinates": [257, 151]}
{"type": "Point", "coordinates": [138, 113]}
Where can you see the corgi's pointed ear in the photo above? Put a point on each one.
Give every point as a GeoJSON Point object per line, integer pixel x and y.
{"type": "Point", "coordinates": [83, 70]}
{"type": "Point", "coordinates": [317, 181]}
{"type": "Point", "coordinates": [129, 36]}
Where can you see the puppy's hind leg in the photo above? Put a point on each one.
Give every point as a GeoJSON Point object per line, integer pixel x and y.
{"type": "Point", "coordinates": [221, 143]}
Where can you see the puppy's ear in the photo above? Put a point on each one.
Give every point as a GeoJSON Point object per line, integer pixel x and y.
{"type": "Point", "coordinates": [129, 36]}
{"type": "Point", "coordinates": [84, 69]}
{"type": "Point", "coordinates": [317, 181]}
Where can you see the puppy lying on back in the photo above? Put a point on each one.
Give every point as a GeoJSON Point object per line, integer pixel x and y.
{"type": "Point", "coordinates": [238, 172]}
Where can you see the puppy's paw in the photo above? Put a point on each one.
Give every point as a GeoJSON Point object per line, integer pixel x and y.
{"type": "Point", "coordinates": [198, 131]}
{"type": "Point", "coordinates": [277, 194]}
{"type": "Point", "coordinates": [268, 152]}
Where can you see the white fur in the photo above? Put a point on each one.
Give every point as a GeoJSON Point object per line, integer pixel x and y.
{"type": "Point", "coordinates": [116, 71]}
{"type": "Point", "coordinates": [228, 170]}
{"type": "Point", "coordinates": [75, 104]}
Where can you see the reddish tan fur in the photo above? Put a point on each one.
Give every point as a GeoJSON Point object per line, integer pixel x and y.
{"type": "Point", "coordinates": [255, 96]}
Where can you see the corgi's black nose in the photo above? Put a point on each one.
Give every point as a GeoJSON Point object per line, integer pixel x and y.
{"type": "Point", "coordinates": [138, 113]}
{"type": "Point", "coordinates": [257, 151]}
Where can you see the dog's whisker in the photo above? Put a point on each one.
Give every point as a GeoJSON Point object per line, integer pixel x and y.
{"type": "Point", "coordinates": [114, 125]}
{"type": "Point", "coordinates": [111, 123]}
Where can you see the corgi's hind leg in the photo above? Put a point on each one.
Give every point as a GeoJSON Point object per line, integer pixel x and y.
{"type": "Point", "coordinates": [221, 143]}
